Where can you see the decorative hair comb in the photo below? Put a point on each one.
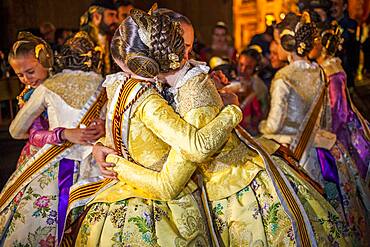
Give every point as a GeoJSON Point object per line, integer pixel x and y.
{"type": "Point", "coordinates": [287, 32]}
{"type": "Point", "coordinates": [257, 48]}
{"type": "Point", "coordinates": [38, 48]}
{"type": "Point", "coordinates": [145, 23]}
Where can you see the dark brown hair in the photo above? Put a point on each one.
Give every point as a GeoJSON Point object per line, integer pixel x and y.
{"type": "Point", "coordinates": [165, 41]}
{"type": "Point", "coordinates": [300, 37]}
{"type": "Point", "coordinates": [79, 53]}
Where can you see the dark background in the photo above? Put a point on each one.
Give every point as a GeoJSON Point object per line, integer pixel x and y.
{"type": "Point", "coordinates": [18, 15]}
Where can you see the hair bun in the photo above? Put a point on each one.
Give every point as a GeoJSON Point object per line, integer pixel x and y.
{"type": "Point", "coordinates": [143, 66]}
{"type": "Point", "coordinates": [331, 38]}
{"type": "Point", "coordinates": [287, 39]}
{"type": "Point", "coordinates": [79, 53]}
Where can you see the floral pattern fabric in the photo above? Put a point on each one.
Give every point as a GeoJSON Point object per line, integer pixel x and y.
{"type": "Point", "coordinates": [255, 217]}
{"type": "Point", "coordinates": [351, 196]}
{"type": "Point", "coordinates": [31, 218]}
{"type": "Point", "coordinates": [142, 222]}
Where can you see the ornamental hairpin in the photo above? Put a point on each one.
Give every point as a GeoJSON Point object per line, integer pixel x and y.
{"type": "Point", "coordinates": [38, 48]}
{"type": "Point", "coordinates": [174, 60]}
{"type": "Point", "coordinates": [145, 23]}
{"type": "Point", "coordinates": [301, 48]}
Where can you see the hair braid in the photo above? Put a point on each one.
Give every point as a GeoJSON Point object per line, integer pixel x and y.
{"type": "Point", "coordinates": [78, 53]}
{"type": "Point", "coordinates": [166, 38]}
{"type": "Point", "coordinates": [304, 37]}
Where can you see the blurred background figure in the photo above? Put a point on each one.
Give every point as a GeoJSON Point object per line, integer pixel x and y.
{"type": "Point", "coordinates": [221, 45]}
{"type": "Point", "coordinates": [350, 54]}
{"type": "Point", "coordinates": [320, 7]}
{"type": "Point", "coordinates": [253, 95]}
{"type": "Point", "coordinates": [61, 36]}
{"type": "Point", "coordinates": [47, 31]}
{"type": "Point", "coordinates": [123, 9]}
{"type": "Point", "coordinates": [100, 21]}
{"type": "Point", "coordinates": [263, 40]}
{"type": "Point", "coordinates": [275, 61]}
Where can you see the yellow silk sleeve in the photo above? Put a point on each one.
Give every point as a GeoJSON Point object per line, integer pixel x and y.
{"type": "Point", "coordinates": [163, 185]}
{"type": "Point", "coordinates": [208, 130]}
{"type": "Point", "coordinates": [195, 144]}
{"type": "Point", "coordinates": [176, 172]}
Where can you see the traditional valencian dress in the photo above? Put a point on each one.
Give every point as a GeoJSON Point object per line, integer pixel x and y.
{"type": "Point", "coordinates": [34, 200]}
{"type": "Point", "coordinates": [139, 124]}
{"type": "Point", "coordinates": [39, 133]}
{"type": "Point", "coordinates": [297, 119]}
{"type": "Point", "coordinates": [250, 197]}
{"type": "Point", "coordinates": [348, 124]}
{"type": "Point", "coordinates": [349, 191]}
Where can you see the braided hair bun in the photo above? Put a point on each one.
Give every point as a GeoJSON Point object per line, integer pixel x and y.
{"type": "Point", "coordinates": [167, 43]}
{"type": "Point", "coordinates": [304, 38]}
{"type": "Point", "coordinates": [27, 43]}
{"type": "Point", "coordinates": [300, 39]}
{"type": "Point", "coordinates": [79, 53]}
{"type": "Point", "coordinates": [331, 38]}
{"type": "Point", "coordinates": [286, 29]}
{"type": "Point", "coordinates": [148, 44]}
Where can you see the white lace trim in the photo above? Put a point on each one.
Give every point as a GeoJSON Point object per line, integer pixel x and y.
{"type": "Point", "coordinates": [110, 79]}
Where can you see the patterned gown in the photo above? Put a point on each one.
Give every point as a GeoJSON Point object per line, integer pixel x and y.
{"type": "Point", "coordinates": [125, 215]}
{"type": "Point", "coordinates": [33, 201]}
{"type": "Point", "coordinates": [244, 201]}
{"type": "Point", "coordinates": [294, 91]}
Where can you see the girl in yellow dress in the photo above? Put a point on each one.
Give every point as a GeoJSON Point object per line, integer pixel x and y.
{"type": "Point", "coordinates": [251, 197]}
{"type": "Point", "coordinates": [139, 125]}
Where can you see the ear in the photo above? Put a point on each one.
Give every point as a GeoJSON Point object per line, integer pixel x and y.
{"type": "Point", "coordinates": [97, 18]}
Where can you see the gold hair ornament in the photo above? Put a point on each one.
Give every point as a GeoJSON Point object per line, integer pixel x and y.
{"type": "Point", "coordinates": [88, 63]}
{"type": "Point", "coordinates": [257, 48]}
{"type": "Point", "coordinates": [153, 8]}
{"type": "Point", "coordinates": [335, 31]}
{"type": "Point", "coordinates": [38, 48]}
{"type": "Point", "coordinates": [306, 17]}
{"type": "Point", "coordinates": [174, 61]}
{"type": "Point", "coordinates": [142, 65]}
{"type": "Point", "coordinates": [301, 48]}
{"type": "Point", "coordinates": [287, 32]}
{"type": "Point", "coordinates": [87, 54]}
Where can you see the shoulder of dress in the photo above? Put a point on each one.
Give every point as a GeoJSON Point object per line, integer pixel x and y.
{"type": "Point", "coordinates": [112, 78]}
{"type": "Point", "coordinates": [332, 66]}
{"type": "Point", "coordinates": [74, 87]}
{"type": "Point", "coordinates": [197, 81]}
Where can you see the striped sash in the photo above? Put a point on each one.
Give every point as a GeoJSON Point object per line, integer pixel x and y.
{"type": "Point", "coordinates": [129, 93]}
{"type": "Point", "coordinates": [49, 154]}
{"type": "Point", "coordinates": [299, 146]}
{"type": "Point", "coordinates": [303, 231]}
{"type": "Point", "coordinates": [82, 194]}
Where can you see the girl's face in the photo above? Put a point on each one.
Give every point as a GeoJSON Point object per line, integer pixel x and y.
{"type": "Point", "coordinates": [29, 70]}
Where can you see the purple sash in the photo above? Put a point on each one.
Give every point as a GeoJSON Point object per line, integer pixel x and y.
{"type": "Point", "coordinates": [65, 181]}
{"type": "Point", "coordinates": [328, 165]}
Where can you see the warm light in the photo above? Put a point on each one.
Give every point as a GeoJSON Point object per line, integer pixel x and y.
{"type": "Point", "coordinates": [252, 17]}
{"type": "Point", "coordinates": [270, 19]}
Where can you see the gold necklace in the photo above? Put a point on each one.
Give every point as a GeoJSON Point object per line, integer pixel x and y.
{"type": "Point", "coordinates": [20, 98]}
